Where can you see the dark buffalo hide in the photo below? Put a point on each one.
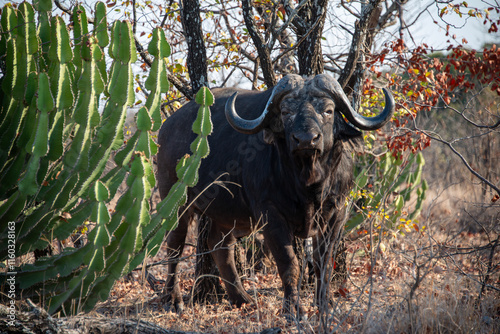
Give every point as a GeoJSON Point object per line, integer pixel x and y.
{"type": "Point", "coordinates": [279, 159]}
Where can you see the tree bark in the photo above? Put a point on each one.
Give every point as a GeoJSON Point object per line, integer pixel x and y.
{"type": "Point", "coordinates": [368, 12]}
{"type": "Point", "coordinates": [207, 287]}
{"type": "Point", "coordinates": [196, 57]}
{"type": "Point", "coordinates": [262, 48]}
{"type": "Point", "coordinates": [309, 24]}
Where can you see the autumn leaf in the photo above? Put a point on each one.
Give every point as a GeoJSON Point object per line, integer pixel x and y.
{"type": "Point", "coordinates": [344, 292]}
{"type": "Point", "coordinates": [495, 198]}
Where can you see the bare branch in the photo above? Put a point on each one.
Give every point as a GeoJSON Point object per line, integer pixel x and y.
{"type": "Point", "coordinates": [464, 161]}
{"type": "Point", "coordinates": [228, 76]}
{"type": "Point", "coordinates": [468, 120]}
{"type": "Point", "coordinates": [292, 12]}
{"type": "Point", "coordinates": [490, 268]}
{"type": "Point", "coordinates": [358, 41]}
{"type": "Point", "coordinates": [166, 14]}
{"type": "Point", "coordinates": [425, 10]}
{"type": "Point", "coordinates": [346, 7]}
{"type": "Point", "coordinates": [299, 42]}
{"type": "Point", "coordinates": [233, 37]}
{"type": "Point", "coordinates": [262, 48]}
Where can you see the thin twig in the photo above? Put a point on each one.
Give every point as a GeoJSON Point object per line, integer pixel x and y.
{"type": "Point", "coordinates": [300, 41]}
{"type": "Point", "coordinates": [464, 161]}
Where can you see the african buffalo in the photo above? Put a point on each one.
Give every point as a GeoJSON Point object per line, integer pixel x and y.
{"type": "Point", "coordinates": [285, 164]}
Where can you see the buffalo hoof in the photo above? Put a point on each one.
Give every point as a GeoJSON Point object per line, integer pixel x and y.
{"type": "Point", "coordinates": [242, 298]}
{"type": "Point", "coordinates": [176, 307]}
{"type": "Point", "coordinates": [171, 304]}
{"type": "Point", "coordinates": [291, 318]}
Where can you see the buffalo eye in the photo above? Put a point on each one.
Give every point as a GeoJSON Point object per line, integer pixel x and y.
{"type": "Point", "coordinates": [327, 111]}
{"type": "Point", "coordinates": [285, 112]}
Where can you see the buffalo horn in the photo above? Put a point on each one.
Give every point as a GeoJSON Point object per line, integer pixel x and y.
{"type": "Point", "coordinates": [284, 86]}
{"type": "Point", "coordinates": [331, 86]}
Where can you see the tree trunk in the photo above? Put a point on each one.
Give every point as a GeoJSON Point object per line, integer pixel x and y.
{"type": "Point", "coordinates": [310, 29]}
{"type": "Point", "coordinates": [369, 18]}
{"type": "Point", "coordinates": [207, 286]}
{"type": "Point", "coordinates": [196, 57]}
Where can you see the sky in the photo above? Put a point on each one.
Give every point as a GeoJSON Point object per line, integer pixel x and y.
{"type": "Point", "coordinates": [425, 30]}
{"type": "Point", "coordinates": [470, 28]}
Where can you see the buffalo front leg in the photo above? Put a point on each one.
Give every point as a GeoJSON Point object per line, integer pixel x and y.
{"type": "Point", "coordinates": [279, 241]}
{"type": "Point", "coordinates": [222, 246]}
{"type": "Point", "coordinates": [326, 251]}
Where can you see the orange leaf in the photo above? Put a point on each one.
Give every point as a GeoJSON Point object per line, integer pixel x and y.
{"type": "Point", "coordinates": [344, 292]}
{"type": "Point", "coordinates": [495, 198]}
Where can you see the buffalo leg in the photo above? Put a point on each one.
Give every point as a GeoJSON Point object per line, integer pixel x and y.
{"type": "Point", "coordinates": [280, 244]}
{"type": "Point", "coordinates": [172, 296]}
{"type": "Point", "coordinates": [325, 248]}
{"type": "Point", "coordinates": [222, 245]}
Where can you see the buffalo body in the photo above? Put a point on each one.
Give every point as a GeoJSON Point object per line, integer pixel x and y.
{"type": "Point", "coordinates": [280, 159]}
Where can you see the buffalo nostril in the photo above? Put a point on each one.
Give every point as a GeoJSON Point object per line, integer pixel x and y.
{"type": "Point", "coordinates": [306, 140]}
{"type": "Point", "coordinates": [316, 138]}
{"type": "Point", "coordinates": [297, 139]}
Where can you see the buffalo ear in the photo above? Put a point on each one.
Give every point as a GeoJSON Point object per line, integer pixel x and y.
{"type": "Point", "coordinates": [345, 130]}
{"type": "Point", "coordinates": [268, 136]}
{"type": "Point", "coordinates": [274, 129]}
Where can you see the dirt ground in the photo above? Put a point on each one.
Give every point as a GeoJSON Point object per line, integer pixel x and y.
{"type": "Point", "coordinates": [426, 281]}
{"type": "Point", "coordinates": [442, 276]}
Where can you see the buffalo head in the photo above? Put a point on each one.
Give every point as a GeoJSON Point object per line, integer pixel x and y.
{"type": "Point", "coordinates": [307, 113]}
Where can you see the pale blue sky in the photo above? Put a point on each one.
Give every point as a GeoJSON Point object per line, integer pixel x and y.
{"type": "Point", "coordinates": [470, 28]}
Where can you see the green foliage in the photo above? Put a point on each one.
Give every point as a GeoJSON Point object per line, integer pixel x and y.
{"type": "Point", "coordinates": [388, 189]}
{"type": "Point", "coordinates": [55, 144]}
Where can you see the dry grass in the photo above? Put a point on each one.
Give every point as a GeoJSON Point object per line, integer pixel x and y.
{"type": "Point", "coordinates": [418, 284]}
{"type": "Point", "coordinates": [425, 282]}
